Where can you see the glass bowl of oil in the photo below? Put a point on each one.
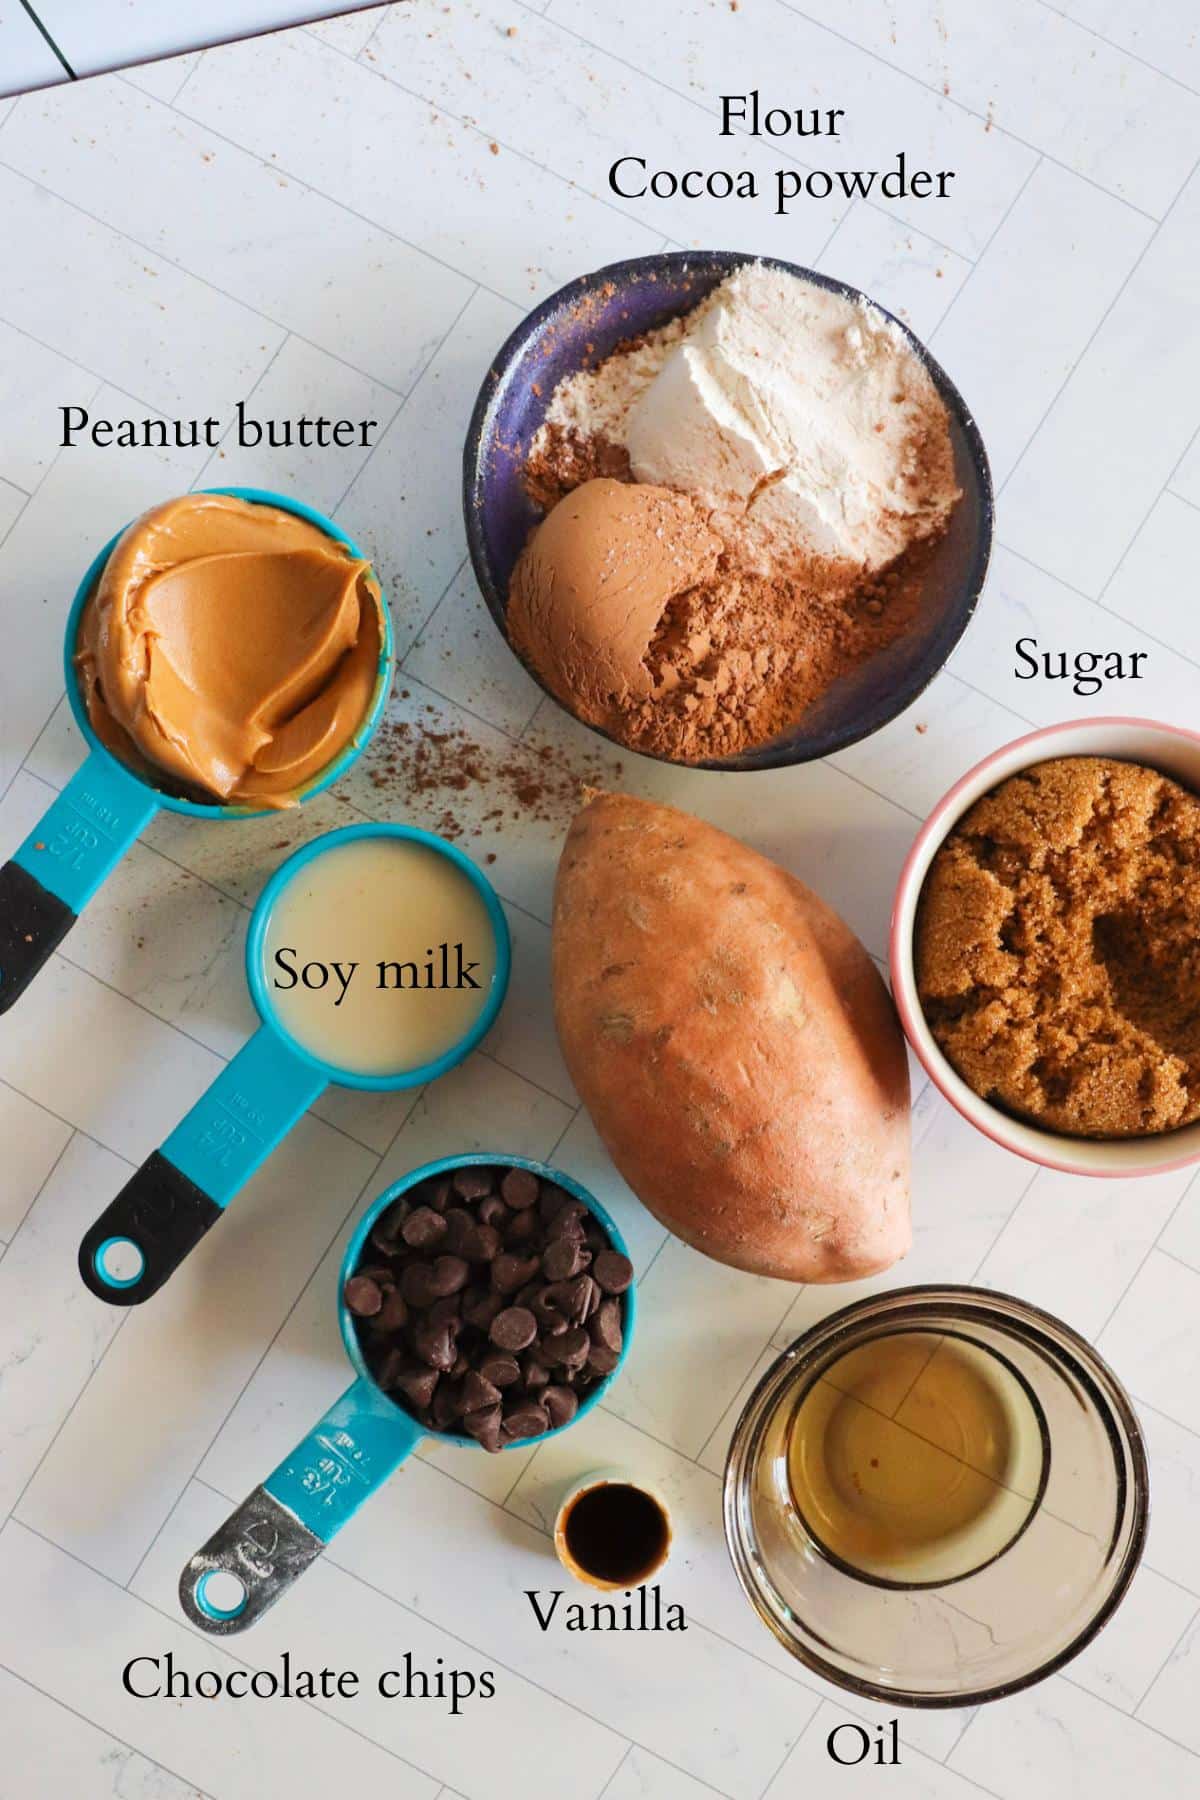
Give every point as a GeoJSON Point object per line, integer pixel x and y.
{"type": "Point", "coordinates": [937, 1496]}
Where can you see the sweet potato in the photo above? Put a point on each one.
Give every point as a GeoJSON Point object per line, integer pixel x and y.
{"type": "Point", "coordinates": [734, 1045]}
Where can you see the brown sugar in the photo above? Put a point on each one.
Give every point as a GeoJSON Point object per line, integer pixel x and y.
{"type": "Point", "coordinates": [1057, 950]}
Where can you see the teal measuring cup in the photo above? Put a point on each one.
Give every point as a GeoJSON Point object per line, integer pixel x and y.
{"type": "Point", "coordinates": [285, 1524]}
{"type": "Point", "coordinates": [105, 806]}
{"type": "Point", "coordinates": [182, 1188]}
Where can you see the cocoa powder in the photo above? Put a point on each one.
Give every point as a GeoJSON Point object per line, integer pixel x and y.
{"type": "Point", "coordinates": [430, 770]}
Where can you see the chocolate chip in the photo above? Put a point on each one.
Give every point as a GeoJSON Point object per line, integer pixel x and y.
{"type": "Point", "coordinates": [510, 1272]}
{"type": "Point", "coordinates": [446, 1404]}
{"type": "Point", "coordinates": [534, 1372]}
{"type": "Point", "coordinates": [605, 1327]}
{"type": "Point", "coordinates": [613, 1271]}
{"type": "Point", "coordinates": [385, 1233]}
{"type": "Point", "coordinates": [522, 1228]}
{"type": "Point", "coordinates": [419, 1285]}
{"type": "Point", "coordinates": [571, 1349]}
{"type": "Point", "coordinates": [513, 1328]}
{"type": "Point", "coordinates": [462, 1365]}
{"type": "Point", "coordinates": [424, 1228]}
{"type": "Point", "coordinates": [484, 1427]}
{"type": "Point", "coordinates": [439, 1194]}
{"type": "Point", "coordinates": [547, 1311]}
{"type": "Point", "coordinates": [561, 1405]}
{"type": "Point", "coordinates": [417, 1384]}
{"type": "Point", "coordinates": [577, 1299]}
{"type": "Point", "coordinates": [602, 1360]}
{"type": "Point", "coordinates": [393, 1314]}
{"type": "Point", "coordinates": [567, 1222]}
{"type": "Point", "coordinates": [363, 1296]}
{"type": "Point", "coordinates": [492, 1210]}
{"type": "Point", "coordinates": [482, 1245]}
{"type": "Point", "coordinates": [435, 1344]}
{"type": "Point", "coordinates": [460, 1228]}
{"type": "Point", "coordinates": [480, 1306]}
{"type": "Point", "coordinates": [519, 1188]}
{"type": "Point", "coordinates": [525, 1420]}
{"type": "Point", "coordinates": [478, 1392]}
{"type": "Point", "coordinates": [564, 1258]}
{"type": "Point", "coordinates": [450, 1275]}
{"type": "Point", "coordinates": [501, 1370]}
{"type": "Point", "coordinates": [551, 1201]}
{"type": "Point", "coordinates": [472, 1184]}
{"type": "Point", "coordinates": [446, 1310]}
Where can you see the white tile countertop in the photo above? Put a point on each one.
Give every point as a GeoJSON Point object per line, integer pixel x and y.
{"type": "Point", "coordinates": [349, 218]}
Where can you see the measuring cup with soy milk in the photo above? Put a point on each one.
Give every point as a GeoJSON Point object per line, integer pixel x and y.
{"type": "Point", "coordinates": [378, 957]}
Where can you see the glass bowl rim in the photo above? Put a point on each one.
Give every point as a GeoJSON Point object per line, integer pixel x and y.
{"type": "Point", "coordinates": [921, 1297]}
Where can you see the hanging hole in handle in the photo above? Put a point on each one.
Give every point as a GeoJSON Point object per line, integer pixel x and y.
{"type": "Point", "coordinates": [220, 1594]}
{"type": "Point", "coordinates": [120, 1263]}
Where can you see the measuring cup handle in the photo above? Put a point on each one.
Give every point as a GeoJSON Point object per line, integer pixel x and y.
{"type": "Point", "coordinates": [73, 847]}
{"type": "Point", "coordinates": [182, 1189]}
{"type": "Point", "coordinates": [284, 1525]}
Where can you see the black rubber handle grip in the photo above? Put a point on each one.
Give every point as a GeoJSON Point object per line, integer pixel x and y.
{"type": "Point", "coordinates": [33, 923]}
{"type": "Point", "coordinates": [160, 1212]}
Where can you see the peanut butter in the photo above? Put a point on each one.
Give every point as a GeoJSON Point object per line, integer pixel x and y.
{"type": "Point", "coordinates": [231, 647]}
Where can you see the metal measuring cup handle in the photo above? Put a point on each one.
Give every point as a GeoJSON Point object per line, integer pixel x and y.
{"type": "Point", "coordinates": [182, 1189]}
{"type": "Point", "coordinates": [73, 848]}
{"type": "Point", "coordinates": [284, 1525]}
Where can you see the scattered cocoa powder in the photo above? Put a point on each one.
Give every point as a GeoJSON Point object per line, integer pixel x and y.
{"type": "Point", "coordinates": [430, 770]}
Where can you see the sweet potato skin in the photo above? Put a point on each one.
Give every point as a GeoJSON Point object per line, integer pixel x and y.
{"type": "Point", "coordinates": [734, 1045]}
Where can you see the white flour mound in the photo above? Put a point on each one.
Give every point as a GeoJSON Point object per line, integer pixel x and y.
{"type": "Point", "coordinates": [801, 419]}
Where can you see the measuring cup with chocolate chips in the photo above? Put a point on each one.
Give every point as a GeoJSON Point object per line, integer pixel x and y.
{"type": "Point", "coordinates": [489, 1301]}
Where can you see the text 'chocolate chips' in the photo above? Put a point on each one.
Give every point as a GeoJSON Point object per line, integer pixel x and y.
{"type": "Point", "coordinates": [489, 1302]}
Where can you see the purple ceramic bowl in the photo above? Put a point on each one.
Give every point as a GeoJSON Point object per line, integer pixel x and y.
{"type": "Point", "coordinates": [585, 321]}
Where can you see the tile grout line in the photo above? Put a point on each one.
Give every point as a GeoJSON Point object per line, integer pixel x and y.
{"type": "Point", "coordinates": [469, 124]}
{"type": "Point", "coordinates": [426, 366]}
{"type": "Point", "coordinates": [1131, 1718]}
{"type": "Point", "coordinates": [45, 1181]}
{"type": "Point", "coordinates": [170, 262]}
{"type": "Point", "coordinates": [1148, 515]}
{"type": "Point", "coordinates": [104, 1730]}
{"type": "Point", "coordinates": [139, 1599]}
{"type": "Point", "coordinates": [8, 1082]}
{"type": "Point", "coordinates": [171, 1025]}
{"type": "Point", "coordinates": [234, 899]}
{"type": "Point", "coordinates": [487, 1655]}
{"type": "Point", "coordinates": [608, 1784]}
{"type": "Point", "coordinates": [699, 105]}
{"type": "Point", "coordinates": [120, 1325]}
{"type": "Point", "coordinates": [1120, 49]}
{"type": "Point", "coordinates": [961, 106]}
{"type": "Point", "coordinates": [236, 1401]}
{"type": "Point", "coordinates": [1001, 223]}
{"type": "Point", "coordinates": [278, 351]}
{"type": "Point", "coordinates": [1150, 1250]}
{"type": "Point", "coordinates": [1163, 1666]}
{"type": "Point", "coordinates": [1098, 328]}
{"type": "Point", "coordinates": [352, 211]}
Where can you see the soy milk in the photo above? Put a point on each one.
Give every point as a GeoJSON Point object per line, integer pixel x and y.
{"type": "Point", "coordinates": [379, 956]}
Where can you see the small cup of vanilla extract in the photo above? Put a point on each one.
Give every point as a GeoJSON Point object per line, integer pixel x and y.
{"type": "Point", "coordinates": [612, 1530]}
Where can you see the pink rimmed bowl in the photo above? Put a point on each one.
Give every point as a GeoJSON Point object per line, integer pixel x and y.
{"type": "Point", "coordinates": [1176, 753]}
